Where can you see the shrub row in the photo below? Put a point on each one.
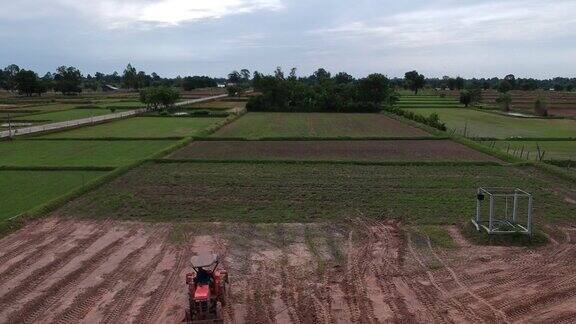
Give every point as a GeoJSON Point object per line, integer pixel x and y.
{"type": "Point", "coordinates": [433, 120]}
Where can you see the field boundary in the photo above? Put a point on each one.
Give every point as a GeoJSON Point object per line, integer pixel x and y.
{"type": "Point", "coordinates": [105, 139]}
{"type": "Point", "coordinates": [56, 168]}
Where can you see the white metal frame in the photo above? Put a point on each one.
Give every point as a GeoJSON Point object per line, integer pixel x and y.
{"type": "Point", "coordinates": [493, 225]}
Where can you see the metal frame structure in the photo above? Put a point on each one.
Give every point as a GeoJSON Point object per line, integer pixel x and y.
{"type": "Point", "coordinates": [508, 224]}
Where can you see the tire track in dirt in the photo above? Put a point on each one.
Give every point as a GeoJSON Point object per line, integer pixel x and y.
{"type": "Point", "coordinates": [37, 233]}
{"type": "Point", "coordinates": [35, 307]}
{"type": "Point", "coordinates": [30, 283]}
{"type": "Point", "coordinates": [466, 313]}
{"type": "Point", "coordinates": [355, 269]}
{"type": "Point", "coordinates": [149, 312]}
{"type": "Point", "coordinates": [84, 302]}
{"type": "Point", "coordinates": [259, 297]}
{"type": "Point", "coordinates": [387, 269]}
{"type": "Point", "coordinates": [115, 312]}
{"type": "Point", "coordinates": [30, 259]}
{"type": "Point", "coordinates": [30, 244]}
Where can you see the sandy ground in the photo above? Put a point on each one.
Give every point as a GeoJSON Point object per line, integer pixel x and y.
{"type": "Point", "coordinates": [67, 271]}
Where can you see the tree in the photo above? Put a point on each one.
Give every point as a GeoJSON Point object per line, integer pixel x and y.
{"type": "Point", "coordinates": [9, 77]}
{"type": "Point", "coordinates": [68, 80]}
{"type": "Point", "coordinates": [245, 75]}
{"type": "Point", "coordinates": [504, 100]}
{"type": "Point", "coordinates": [558, 87]}
{"type": "Point", "coordinates": [130, 77]}
{"type": "Point", "coordinates": [465, 98]}
{"type": "Point", "coordinates": [195, 82]}
{"type": "Point", "coordinates": [157, 97]}
{"type": "Point", "coordinates": [541, 107]}
{"type": "Point", "coordinates": [459, 83]}
{"type": "Point", "coordinates": [373, 89]}
{"type": "Point", "coordinates": [504, 86]}
{"type": "Point", "coordinates": [414, 81]}
{"type": "Point", "coordinates": [234, 77]}
{"type": "Point", "coordinates": [511, 80]}
{"type": "Point", "coordinates": [28, 83]}
{"type": "Point", "coordinates": [343, 78]}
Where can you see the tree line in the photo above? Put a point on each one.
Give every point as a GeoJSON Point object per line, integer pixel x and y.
{"type": "Point", "coordinates": [320, 92]}
{"type": "Point", "coordinates": [69, 80]}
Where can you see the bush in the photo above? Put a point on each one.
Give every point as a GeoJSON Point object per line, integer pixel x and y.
{"type": "Point", "coordinates": [541, 107]}
{"type": "Point", "coordinates": [433, 120]}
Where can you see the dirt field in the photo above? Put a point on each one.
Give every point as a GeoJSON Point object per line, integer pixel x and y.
{"type": "Point", "coordinates": [398, 150]}
{"type": "Point", "coordinates": [69, 271]}
{"type": "Point", "coordinates": [563, 112]}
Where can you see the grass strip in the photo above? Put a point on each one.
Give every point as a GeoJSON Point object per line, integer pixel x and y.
{"type": "Point", "coordinates": [57, 168]}
{"type": "Point", "coordinates": [107, 139]}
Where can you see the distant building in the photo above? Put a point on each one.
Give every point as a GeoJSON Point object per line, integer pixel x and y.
{"type": "Point", "coordinates": [108, 88]}
{"type": "Point", "coordinates": [221, 85]}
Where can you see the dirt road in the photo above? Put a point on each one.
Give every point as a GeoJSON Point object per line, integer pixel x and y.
{"type": "Point", "coordinates": [69, 271]}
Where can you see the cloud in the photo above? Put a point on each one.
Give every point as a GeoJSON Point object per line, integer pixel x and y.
{"type": "Point", "coordinates": [123, 13]}
{"type": "Point", "coordinates": [488, 22]}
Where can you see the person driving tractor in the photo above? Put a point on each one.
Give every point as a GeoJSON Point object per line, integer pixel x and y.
{"type": "Point", "coordinates": [203, 277]}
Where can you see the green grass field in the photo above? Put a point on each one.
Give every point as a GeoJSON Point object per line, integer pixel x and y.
{"type": "Point", "coordinates": [32, 153]}
{"type": "Point", "coordinates": [319, 125]}
{"type": "Point", "coordinates": [65, 115]}
{"type": "Point", "coordinates": [491, 125]}
{"type": "Point", "coordinates": [142, 127]}
{"type": "Point", "coordinates": [553, 150]}
{"type": "Point", "coordinates": [53, 106]}
{"type": "Point", "coordinates": [248, 192]}
{"type": "Point", "coordinates": [24, 190]}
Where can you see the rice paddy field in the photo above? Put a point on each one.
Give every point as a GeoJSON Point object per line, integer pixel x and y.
{"type": "Point", "coordinates": [77, 153]}
{"type": "Point", "coordinates": [143, 127]}
{"type": "Point", "coordinates": [21, 191]}
{"type": "Point", "coordinates": [64, 115]}
{"type": "Point", "coordinates": [476, 123]}
{"type": "Point", "coordinates": [552, 150]}
{"type": "Point", "coordinates": [316, 125]}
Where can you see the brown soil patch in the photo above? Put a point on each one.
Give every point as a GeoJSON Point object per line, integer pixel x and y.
{"type": "Point", "coordinates": [375, 150]}
{"type": "Point", "coordinates": [562, 112]}
{"type": "Point", "coordinates": [69, 271]}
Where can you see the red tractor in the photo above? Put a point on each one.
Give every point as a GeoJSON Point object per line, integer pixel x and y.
{"type": "Point", "coordinates": [206, 290]}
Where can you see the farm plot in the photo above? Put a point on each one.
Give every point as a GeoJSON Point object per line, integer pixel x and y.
{"type": "Point", "coordinates": [411, 101]}
{"type": "Point", "coordinates": [219, 104]}
{"type": "Point", "coordinates": [280, 192]}
{"type": "Point", "coordinates": [143, 127]}
{"type": "Point", "coordinates": [551, 150]}
{"type": "Point", "coordinates": [490, 125]}
{"type": "Point", "coordinates": [76, 153]}
{"type": "Point", "coordinates": [316, 125]}
{"type": "Point", "coordinates": [23, 190]}
{"type": "Point", "coordinates": [71, 114]}
{"type": "Point", "coordinates": [376, 150]}
{"type": "Point", "coordinates": [361, 271]}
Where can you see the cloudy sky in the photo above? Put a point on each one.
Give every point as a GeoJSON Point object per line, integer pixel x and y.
{"type": "Point", "coordinates": [530, 38]}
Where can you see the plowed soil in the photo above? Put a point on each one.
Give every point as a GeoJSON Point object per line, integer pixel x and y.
{"type": "Point", "coordinates": [69, 271]}
{"type": "Point", "coordinates": [397, 150]}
